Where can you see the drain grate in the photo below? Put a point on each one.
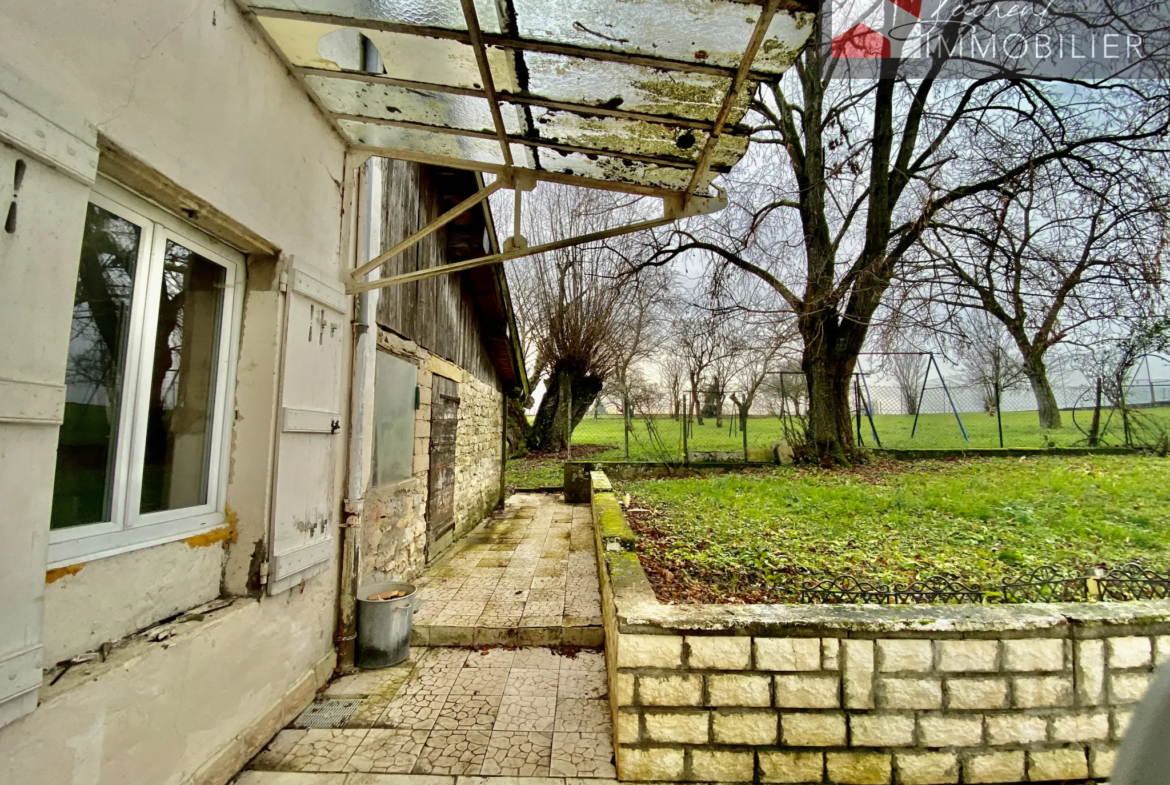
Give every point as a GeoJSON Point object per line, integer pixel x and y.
{"type": "Point", "coordinates": [332, 713]}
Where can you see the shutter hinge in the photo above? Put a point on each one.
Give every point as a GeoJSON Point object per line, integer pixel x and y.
{"type": "Point", "coordinates": [264, 573]}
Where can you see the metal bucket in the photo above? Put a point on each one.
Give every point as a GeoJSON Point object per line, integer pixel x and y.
{"type": "Point", "coordinates": [383, 626]}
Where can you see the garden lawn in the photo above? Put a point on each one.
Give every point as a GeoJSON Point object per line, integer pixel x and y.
{"type": "Point", "coordinates": [933, 432]}
{"type": "Point", "coordinates": [758, 536]}
{"type": "Point", "coordinates": [546, 470]}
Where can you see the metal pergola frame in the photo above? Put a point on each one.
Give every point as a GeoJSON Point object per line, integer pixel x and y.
{"type": "Point", "coordinates": [676, 204]}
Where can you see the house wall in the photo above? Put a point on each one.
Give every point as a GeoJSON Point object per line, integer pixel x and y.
{"type": "Point", "coordinates": [921, 695]}
{"type": "Point", "coordinates": [190, 89]}
{"type": "Point", "coordinates": [394, 523]}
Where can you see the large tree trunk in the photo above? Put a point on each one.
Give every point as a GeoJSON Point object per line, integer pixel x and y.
{"type": "Point", "coordinates": [548, 427]}
{"type": "Point", "coordinates": [518, 428]}
{"type": "Point", "coordinates": [827, 373]}
{"type": "Point", "coordinates": [1046, 404]}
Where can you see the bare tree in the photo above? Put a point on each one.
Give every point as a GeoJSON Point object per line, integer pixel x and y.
{"type": "Point", "coordinates": [848, 174]}
{"type": "Point", "coordinates": [990, 361]}
{"type": "Point", "coordinates": [1048, 256]}
{"type": "Point", "coordinates": [579, 323]}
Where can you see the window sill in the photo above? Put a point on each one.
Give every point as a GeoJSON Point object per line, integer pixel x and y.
{"type": "Point", "coordinates": [73, 548]}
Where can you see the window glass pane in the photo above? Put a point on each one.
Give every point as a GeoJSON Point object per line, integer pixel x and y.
{"type": "Point", "coordinates": [182, 381]}
{"type": "Point", "coordinates": [394, 385]}
{"type": "Point", "coordinates": [95, 370]}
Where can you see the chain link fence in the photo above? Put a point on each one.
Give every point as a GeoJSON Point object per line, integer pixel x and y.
{"type": "Point", "coordinates": [738, 425]}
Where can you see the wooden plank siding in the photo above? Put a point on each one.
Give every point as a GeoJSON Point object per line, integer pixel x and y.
{"type": "Point", "coordinates": [437, 313]}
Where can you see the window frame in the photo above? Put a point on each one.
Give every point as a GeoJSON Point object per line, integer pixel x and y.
{"type": "Point", "coordinates": [128, 529]}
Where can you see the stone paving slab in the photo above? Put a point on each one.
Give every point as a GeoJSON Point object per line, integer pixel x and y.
{"type": "Point", "coordinates": [527, 576]}
{"type": "Point", "coordinates": [452, 712]}
{"type": "Point", "coordinates": [299, 778]}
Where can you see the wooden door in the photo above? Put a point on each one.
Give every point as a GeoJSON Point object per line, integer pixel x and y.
{"type": "Point", "coordinates": [441, 477]}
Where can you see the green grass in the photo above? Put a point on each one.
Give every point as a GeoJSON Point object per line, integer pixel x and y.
{"type": "Point", "coordinates": [759, 535]}
{"type": "Point", "coordinates": [934, 431]}
{"type": "Point", "coordinates": [546, 470]}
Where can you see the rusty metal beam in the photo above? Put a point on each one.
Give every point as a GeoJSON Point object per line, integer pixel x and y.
{"type": "Point", "coordinates": [485, 75]}
{"type": "Point", "coordinates": [676, 163]}
{"type": "Point", "coordinates": [431, 228]}
{"type": "Point", "coordinates": [741, 76]}
{"type": "Point", "coordinates": [507, 42]}
{"type": "Point", "coordinates": [513, 98]}
{"type": "Point", "coordinates": [446, 269]}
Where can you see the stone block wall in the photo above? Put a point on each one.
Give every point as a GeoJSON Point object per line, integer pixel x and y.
{"type": "Point", "coordinates": [477, 452]}
{"type": "Point", "coordinates": [864, 694]}
{"type": "Point", "coordinates": [394, 526]}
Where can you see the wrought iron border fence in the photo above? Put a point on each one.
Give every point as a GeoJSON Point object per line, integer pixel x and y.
{"type": "Point", "coordinates": [1127, 582]}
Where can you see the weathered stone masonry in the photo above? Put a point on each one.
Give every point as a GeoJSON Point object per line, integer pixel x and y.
{"type": "Point", "coordinates": [394, 521]}
{"type": "Point", "coordinates": [847, 694]}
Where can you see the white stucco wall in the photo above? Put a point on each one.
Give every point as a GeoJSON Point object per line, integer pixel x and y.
{"type": "Point", "coordinates": [189, 88]}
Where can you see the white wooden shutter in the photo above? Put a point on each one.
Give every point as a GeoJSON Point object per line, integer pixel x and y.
{"type": "Point", "coordinates": [304, 509]}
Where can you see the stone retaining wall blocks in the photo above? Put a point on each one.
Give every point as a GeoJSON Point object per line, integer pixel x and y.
{"type": "Point", "coordinates": [1081, 727]}
{"type": "Point", "coordinates": [746, 727]}
{"type": "Point", "coordinates": [857, 669]}
{"type": "Point", "coordinates": [719, 652]}
{"type": "Point", "coordinates": [674, 690]}
{"type": "Point", "coordinates": [858, 768]}
{"type": "Point", "coordinates": [1129, 652]}
{"type": "Point", "coordinates": [956, 731]}
{"type": "Point", "coordinates": [896, 656]}
{"type": "Point", "coordinates": [899, 693]}
{"type": "Point", "coordinates": [927, 768]}
{"type": "Point", "coordinates": [807, 692]}
{"type": "Point", "coordinates": [968, 656]}
{"type": "Point", "coordinates": [994, 767]}
{"type": "Point", "coordinates": [722, 765]}
{"type": "Point", "coordinates": [976, 693]}
{"type": "Point", "coordinates": [662, 763]}
{"type": "Point", "coordinates": [1052, 765]}
{"type": "Point", "coordinates": [650, 651]}
{"type": "Point", "coordinates": [812, 730]}
{"type": "Point", "coordinates": [1033, 655]}
{"type": "Point", "coordinates": [881, 730]}
{"type": "Point", "coordinates": [1017, 728]}
{"type": "Point", "coordinates": [791, 767]}
{"type": "Point", "coordinates": [1128, 687]}
{"type": "Point", "coordinates": [936, 695]}
{"type": "Point", "coordinates": [727, 689]}
{"type": "Point", "coordinates": [788, 654]}
{"type": "Point", "coordinates": [689, 728]}
{"type": "Point", "coordinates": [1032, 692]}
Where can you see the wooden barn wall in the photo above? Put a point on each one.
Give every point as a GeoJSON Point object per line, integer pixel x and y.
{"type": "Point", "coordinates": [436, 313]}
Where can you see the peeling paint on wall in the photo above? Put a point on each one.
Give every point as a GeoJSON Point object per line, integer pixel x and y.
{"type": "Point", "coordinates": [57, 573]}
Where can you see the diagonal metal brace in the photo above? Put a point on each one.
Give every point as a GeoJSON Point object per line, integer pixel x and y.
{"type": "Point", "coordinates": [673, 209]}
{"type": "Point", "coordinates": [357, 275]}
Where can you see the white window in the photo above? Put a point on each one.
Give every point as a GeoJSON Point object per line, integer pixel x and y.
{"type": "Point", "coordinates": [395, 401]}
{"type": "Point", "coordinates": [142, 453]}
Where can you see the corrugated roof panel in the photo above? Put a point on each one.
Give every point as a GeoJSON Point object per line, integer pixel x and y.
{"type": "Point", "coordinates": [625, 91]}
{"type": "Point", "coordinates": [388, 102]}
{"type": "Point", "coordinates": [617, 134]}
{"type": "Point", "coordinates": [702, 31]}
{"type": "Point", "coordinates": [425, 13]}
{"type": "Point", "coordinates": [626, 86]}
{"type": "Point", "coordinates": [432, 143]}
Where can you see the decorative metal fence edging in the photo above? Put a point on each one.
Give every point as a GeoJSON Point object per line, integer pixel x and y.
{"type": "Point", "coordinates": [1042, 584]}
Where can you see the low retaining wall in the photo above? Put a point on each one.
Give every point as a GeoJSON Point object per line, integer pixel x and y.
{"type": "Point", "coordinates": [915, 695]}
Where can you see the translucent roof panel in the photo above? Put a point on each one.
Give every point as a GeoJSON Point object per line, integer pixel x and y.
{"type": "Point", "coordinates": [625, 91]}
{"type": "Point", "coordinates": [627, 86]}
{"type": "Point", "coordinates": [621, 135]}
{"type": "Point", "coordinates": [600, 167]}
{"type": "Point", "coordinates": [424, 13]}
{"type": "Point", "coordinates": [433, 60]}
{"type": "Point", "coordinates": [432, 143]}
{"type": "Point", "coordinates": [714, 32]}
{"type": "Point", "coordinates": [347, 96]}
